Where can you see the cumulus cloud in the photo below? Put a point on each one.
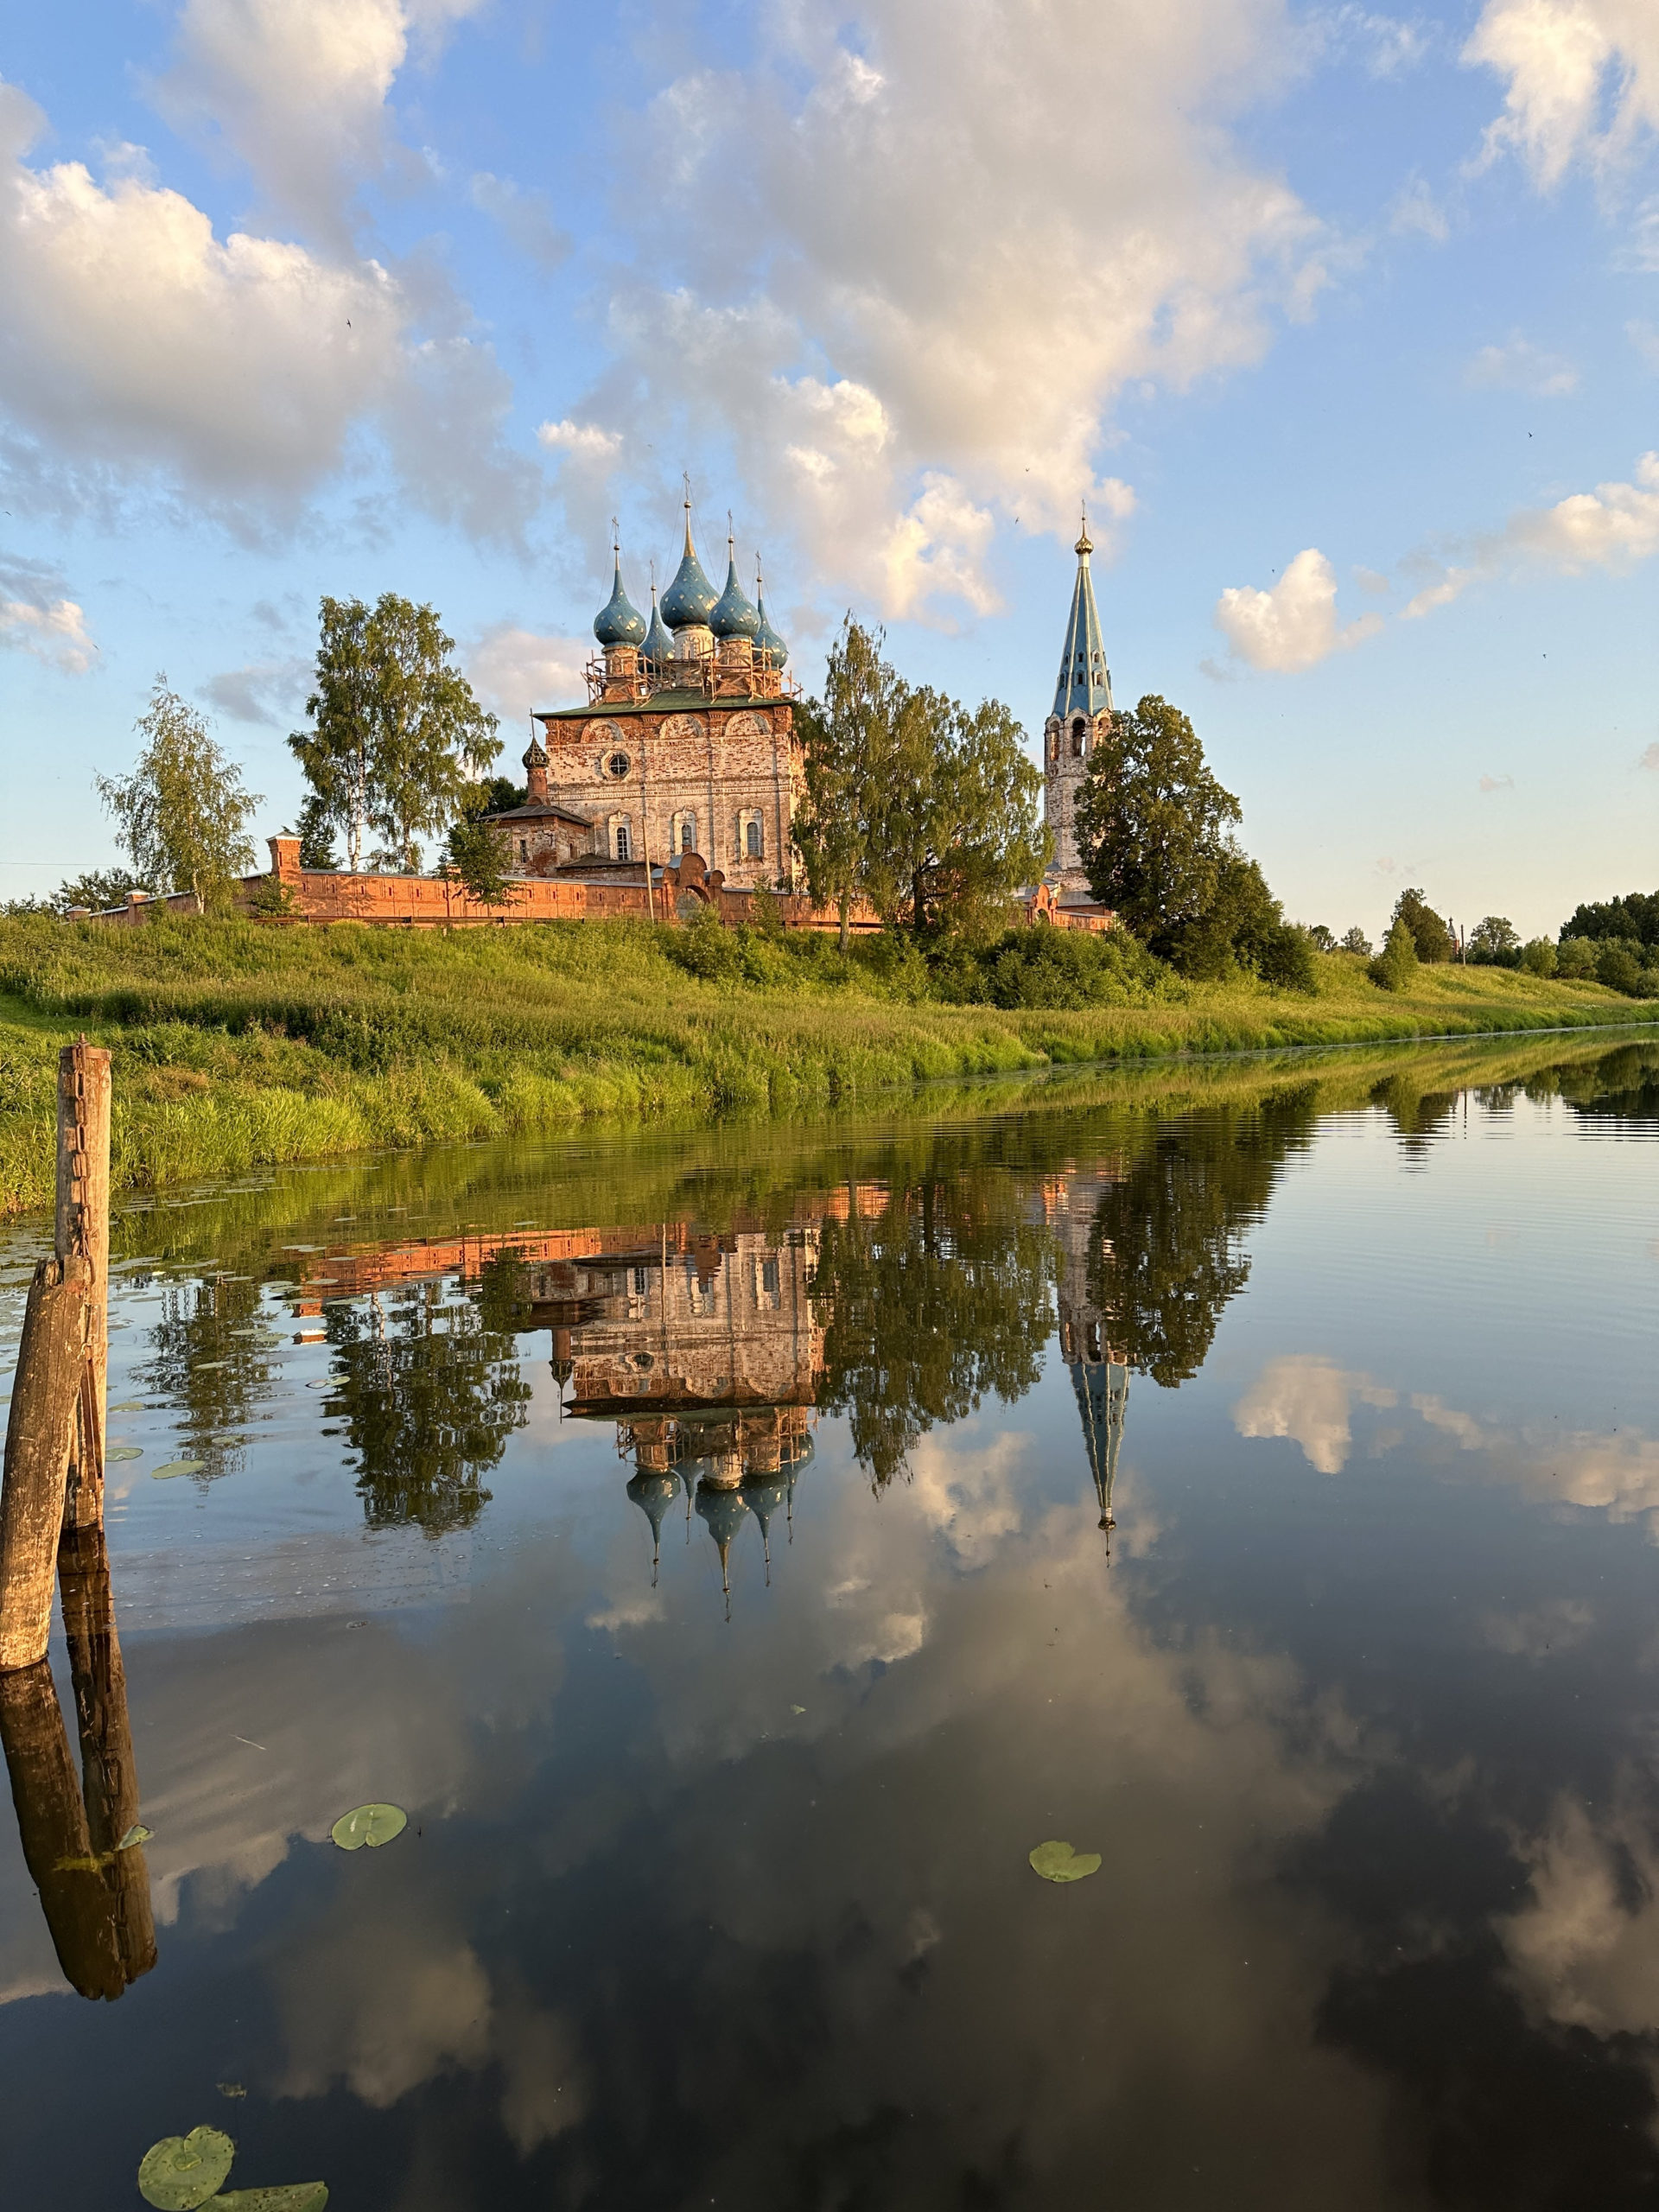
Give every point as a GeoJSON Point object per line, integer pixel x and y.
{"type": "Point", "coordinates": [1389, 45]}
{"type": "Point", "coordinates": [1294, 626]}
{"type": "Point", "coordinates": [928, 286]}
{"type": "Point", "coordinates": [1519, 366]}
{"type": "Point", "coordinates": [514, 670]}
{"type": "Point", "coordinates": [1309, 1400]}
{"type": "Point", "coordinates": [38, 617]}
{"type": "Point", "coordinates": [296, 90]}
{"type": "Point", "coordinates": [526, 218]}
{"type": "Point", "coordinates": [1416, 211]}
{"type": "Point", "coordinates": [1581, 80]}
{"type": "Point", "coordinates": [138, 348]}
{"type": "Point", "coordinates": [1446, 587]}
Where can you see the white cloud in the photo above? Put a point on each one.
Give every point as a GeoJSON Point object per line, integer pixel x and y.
{"type": "Point", "coordinates": [585, 440]}
{"type": "Point", "coordinates": [929, 285]}
{"type": "Point", "coordinates": [1613, 528]}
{"type": "Point", "coordinates": [138, 348]}
{"type": "Point", "coordinates": [37, 617]}
{"type": "Point", "coordinates": [1416, 211]}
{"type": "Point", "coordinates": [1582, 81]}
{"type": "Point", "coordinates": [1309, 1400]}
{"type": "Point", "coordinates": [1369, 580]}
{"type": "Point", "coordinates": [269, 692]}
{"type": "Point", "coordinates": [297, 90]}
{"type": "Point", "coordinates": [1450, 583]}
{"type": "Point", "coordinates": [1389, 44]}
{"type": "Point", "coordinates": [514, 671]}
{"type": "Point", "coordinates": [525, 217]}
{"type": "Point", "coordinates": [1519, 366]}
{"type": "Point", "coordinates": [1293, 626]}
{"type": "Point", "coordinates": [1490, 784]}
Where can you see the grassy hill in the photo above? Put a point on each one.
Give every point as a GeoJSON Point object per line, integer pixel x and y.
{"type": "Point", "coordinates": [239, 1045]}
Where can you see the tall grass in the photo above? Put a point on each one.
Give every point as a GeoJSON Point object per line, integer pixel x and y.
{"type": "Point", "coordinates": [240, 1045]}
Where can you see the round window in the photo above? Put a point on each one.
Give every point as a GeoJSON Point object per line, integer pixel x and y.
{"type": "Point", "coordinates": [618, 764]}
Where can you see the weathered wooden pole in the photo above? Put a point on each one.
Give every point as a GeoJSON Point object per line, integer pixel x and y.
{"type": "Point", "coordinates": [46, 1396]}
{"type": "Point", "coordinates": [83, 1234]}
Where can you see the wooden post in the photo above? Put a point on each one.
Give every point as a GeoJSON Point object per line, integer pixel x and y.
{"type": "Point", "coordinates": [83, 1234]}
{"type": "Point", "coordinates": [46, 1395]}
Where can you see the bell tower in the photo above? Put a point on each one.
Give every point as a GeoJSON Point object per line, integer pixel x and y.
{"type": "Point", "coordinates": [1082, 714]}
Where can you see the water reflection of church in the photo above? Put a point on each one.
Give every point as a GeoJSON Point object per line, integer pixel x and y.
{"type": "Point", "coordinates": [705, 1350]}
{"type": "Point", "coordinates": [1099, 1373]}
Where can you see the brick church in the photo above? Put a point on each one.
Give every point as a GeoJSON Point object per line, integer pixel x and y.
{"type": "Point", "coordinates": [686, 746]}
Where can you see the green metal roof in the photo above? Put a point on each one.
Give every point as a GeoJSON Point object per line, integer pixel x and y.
{"type": "Point", "coordinates": [1086, 682]}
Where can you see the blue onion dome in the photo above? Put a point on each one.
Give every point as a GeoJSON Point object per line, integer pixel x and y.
{"type": "Point", "coordinates": [620, 622]}
{"type": "Point", "coordinates": [733, 617]}
{"type": "Point", "coordinates": [659, 646]}
{"type": "Point", "coordinates": [690, 599]}
{"type": "Point", "coordinates": [766, 639]}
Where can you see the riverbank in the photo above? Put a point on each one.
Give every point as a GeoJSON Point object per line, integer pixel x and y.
{"type": "Point", "coordinates": [239, 1046]}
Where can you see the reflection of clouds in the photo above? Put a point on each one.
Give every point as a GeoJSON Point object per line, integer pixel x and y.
{"type": "Point", "coordinates": [968, 1495]}
{"type": "Point", "coordinates": [379, 2001]}
{"type": "Point", "coordinates": [1586, 1948]}
{"type": "Point", "coordinates": [1554, 1627]}
{"type": "Point", "coordinates": [1309, 1400]}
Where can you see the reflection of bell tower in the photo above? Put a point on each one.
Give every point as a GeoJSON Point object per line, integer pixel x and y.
{"type": "Point", "coordinates": [1100, 1374]}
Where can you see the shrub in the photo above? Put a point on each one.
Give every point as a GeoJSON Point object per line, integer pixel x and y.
{"type": "Point", "coordinates": [1619, 970]}
{"type": "Point", "coordinates": [1539, 957]}
{"type": "Point", "coordinates": [1285, 960]}
{"type": "Point", "coordinates": [1047, 967]}
{"type": "Point", "coordinates": [703, 947]}
{"type": "Point", "coordinates": [1394, 968]}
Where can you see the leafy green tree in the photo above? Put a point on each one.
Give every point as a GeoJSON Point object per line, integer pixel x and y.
{"type": "Point", "coordinates": [1152, 824]}
{"type": "Point", "coordinates": [847, 743]}
{"type": "Point", "coordinates": [502, 794]}
{"type": "Point", "coordinates": [953, 826]}
{"type": "Point", "coordinates": [1492, 940]}
{"type": "Point", "coordinates": [99, 888]}
{"type": "Point", "coordinates": [1321, 939]}
{"type": "Point", "coordinates": [1619, 969]}
{"type": "Point", "coordinates": [475, 855]}
{"type": "Point", "coordinates": [183, 813]}
{"type": "Point", "coordinates": [1395, 967]}
{"type": "Point", "coordinates": [1538, 956]}
{"type": "Point", "coordinates": [396, 736]}
{"type": "Point", "coordinates": [1575, 958]}
{"type": "Point", "coordinates": [1355, 940]}
{"type": "Point", "coordinates": [1430, 937]}
{"type": "Point", "coordinates": [1634, 916]}
{"type": "Point", "coordinates": [316, 836]}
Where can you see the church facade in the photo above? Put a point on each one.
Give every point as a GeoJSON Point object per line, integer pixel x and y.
{"type": "Point", "coordinates": [685, 747]}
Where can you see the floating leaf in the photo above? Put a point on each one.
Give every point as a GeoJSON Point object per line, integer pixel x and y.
{"type": "Point", "coordinates": [798, 1710]}
{"type": "Point", "coordinates": [295, 2196]}
{"type": "Point", "coordinates": [230, 2089]}
{"type": "Point", "coordinates": [129, 1405]}
{"type": "Point", "coordinates": [176, 1467]}
{"type": "Point", "coordinates": [370, 1824]}
{"type": "Point", "coordinates": [136, 1835]}
{"type": "Point", "coordinates": [1057, 1862]}
{"type": "Point", "coordinates": [182, 2171]}
{"type": "Point", "coordinates": [122, 1451]}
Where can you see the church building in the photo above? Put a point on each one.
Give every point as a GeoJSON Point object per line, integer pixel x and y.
{"type": "Point", "coordinates": [686, 747]}
{"type": "Point", "coordinates": [1080, 716]}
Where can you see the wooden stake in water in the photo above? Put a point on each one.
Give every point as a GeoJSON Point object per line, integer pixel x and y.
{"type": "Point", "coordinates": [83, 1234]}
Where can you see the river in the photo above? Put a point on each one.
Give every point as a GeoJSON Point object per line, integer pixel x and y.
{"type": "Point", "coordinates": [735, 1554]}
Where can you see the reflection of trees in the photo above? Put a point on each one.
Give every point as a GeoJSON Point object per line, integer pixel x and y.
{"type": "Point", "coordinates": [1167, 1252]}
{"type": "Point", "coordinates": [430, 1392]}
{"type": "Point", "coordinates": [927, 1306]}
{"type": "Point", "coordinates": [208, 1364]}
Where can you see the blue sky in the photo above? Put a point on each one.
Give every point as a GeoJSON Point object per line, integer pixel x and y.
{"type": "Point", "coordinates": [1346, 322]}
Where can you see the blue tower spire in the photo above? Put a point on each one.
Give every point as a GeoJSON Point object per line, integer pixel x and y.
{"type": "Point", "coordinates": [1086, 682]}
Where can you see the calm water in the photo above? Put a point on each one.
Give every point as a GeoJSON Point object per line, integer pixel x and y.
{"type": "Point", "coordinates": [736, 1553]}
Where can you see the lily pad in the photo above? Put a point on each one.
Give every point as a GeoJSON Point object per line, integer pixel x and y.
{"type": "Point", "coordinates": [182, 2171]}
{"type": "Point", "coordinates": [1057, 1862]}
{"type": "Point", "coordinates": [122, 1451]}
{"type": "Point", "coordinates": [294, 2197]}
{"type": "Point", "coordinates": [130, 1406]}
{"type": "Point", "coordinates": [136, 1835]}
{"type": "Point", "coordinates": [176, 1467]}
{"type": "Point", "coordinates": [373, 1825]}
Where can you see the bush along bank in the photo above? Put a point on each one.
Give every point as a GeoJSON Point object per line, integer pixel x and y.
{"type": "Point", "coordinates": [237, 1046]}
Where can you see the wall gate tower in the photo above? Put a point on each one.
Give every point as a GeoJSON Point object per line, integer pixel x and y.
{"type": "Point", "coordinates": [1082, 714]}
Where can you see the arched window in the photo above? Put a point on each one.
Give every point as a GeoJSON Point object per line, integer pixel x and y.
{"type": "Point", "coordinates": [688, 836]}
{"type": "Point", "coordinates": [523, 850]}
{"type": "Point", "coordinates": [622, 840]}
{"type": "Point", "coordinates": [754, 842]}
{"type": "Point", "coordinates": [1077, 728]}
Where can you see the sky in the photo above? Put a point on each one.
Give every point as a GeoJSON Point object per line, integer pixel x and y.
{"type": "Point", "coordinates": [1344, 323]}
